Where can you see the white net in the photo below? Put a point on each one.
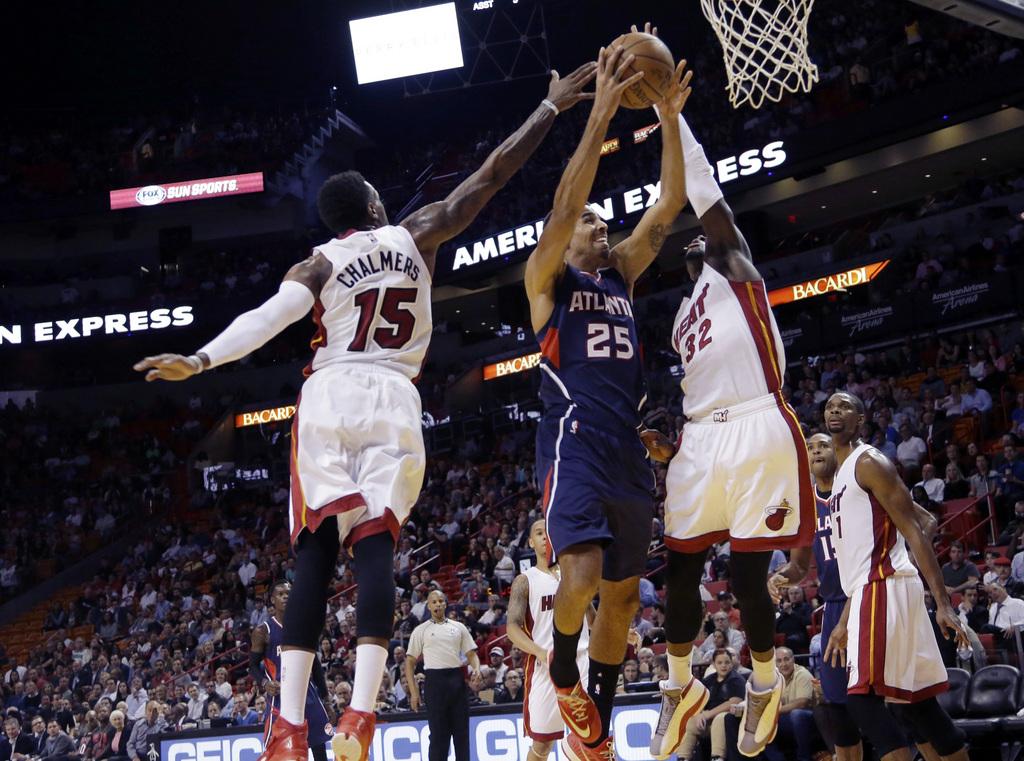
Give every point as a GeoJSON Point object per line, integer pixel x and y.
{"type": "Point", "coordinates": [764, 43]}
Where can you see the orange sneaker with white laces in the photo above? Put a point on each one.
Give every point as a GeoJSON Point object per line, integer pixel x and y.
{"type": "Point", "coordinates": [353, 735]}
{"type": "Point", "coordinates": [579, 712]}
{"type": "Point", "coordinates": [287, 742]}
{"type": "Point", "coordinates": [573, 749]}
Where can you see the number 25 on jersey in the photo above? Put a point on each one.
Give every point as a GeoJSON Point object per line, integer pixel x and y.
{"type": "Point", "coordinates": [606, 341]}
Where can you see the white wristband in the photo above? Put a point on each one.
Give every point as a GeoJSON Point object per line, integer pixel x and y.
{"type": "Point", "coordinates": [196, 361]}
{"type": "Point", "coordinates": [550, 105]}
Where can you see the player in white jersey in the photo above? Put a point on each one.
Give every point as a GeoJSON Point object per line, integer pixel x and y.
{"type": "Point", "coordinates": [531, 621]}
{"type": "Point", "coordinates": [357, 445]}
{"type": "Point", "coordinates": [892, 653]}
{"type": "Point", "coordinates": [741, 473]}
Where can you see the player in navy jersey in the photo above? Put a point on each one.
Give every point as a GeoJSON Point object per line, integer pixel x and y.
{"type": "Point", "coordinates": [822, 454]}
{"type": "Point", "coordinates": [265, 668]}
{"type": "Point", "coordinates": [592, 466]}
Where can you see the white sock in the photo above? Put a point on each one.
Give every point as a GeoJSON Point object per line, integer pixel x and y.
{"type": "Point", "coordinates": [764, 674]}
{"type": "Point", "coordinates": [370, 662]}
{"type": "Point", "coordinates": [679, 672]}
{"type": "Point", "coordinates": [295, 668]}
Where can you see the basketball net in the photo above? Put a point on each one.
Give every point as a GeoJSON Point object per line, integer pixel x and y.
{"type": "Point", "coordinates": [764, 43]}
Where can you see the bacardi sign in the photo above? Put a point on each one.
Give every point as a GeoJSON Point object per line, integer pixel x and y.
{"type": "Point", "coordinates": [837, 281]}
{"type": "Point", "coordinates": [511, 366]}
{"type": "Point", "coordinates": [269, 415]}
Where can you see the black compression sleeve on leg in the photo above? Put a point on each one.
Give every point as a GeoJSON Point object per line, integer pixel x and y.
{"type": "Point", "coordinates": [316, 555]}
{"type": "Point", "coordinates": [682, 595]}
{"type": "Point", "coordinates": [319, 752]}
{"type": "Point", "coordinates": [375, 575]}
{"type": "Point", "coordinates": [876, 723]}
{"type": "Point", "coordinates": [844, 728]}
{"type": "Point", "coordinates": [563, 670]}
{"type": "Point", "coordinates": [603, 679]}
{"type": "Point", "coordinates": [748, 572]}
{"type": "Point", "coordinates": [933, 724]}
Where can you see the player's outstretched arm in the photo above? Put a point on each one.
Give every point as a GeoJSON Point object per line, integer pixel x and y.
{"type": "Point", "coordinates": [518, 603]}
{"type": "Point", "coordinates": [878, 475]}
{"type": "Point", "coordinates": [791, 574]}
{"type": "Point", "coordinates": [634, 255]}
{"type": "Point", "coordinates": [249, 331]}
{"type": "Point", "coordinates": [547, 260]}
{"type": "Point", "coordinates": [439, 222]}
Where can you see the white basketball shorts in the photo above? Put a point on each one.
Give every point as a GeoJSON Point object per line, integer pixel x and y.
{"type": "Point", "coordinates": [891, 647]}
{"type": "Point", "coordinates": [357, 451]}
{"type": "Point", "coordinates": [541, 720]}
{"type": "Point", "coordinates": [741, 475]}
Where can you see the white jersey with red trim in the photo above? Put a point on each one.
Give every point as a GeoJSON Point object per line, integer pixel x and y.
{"type": "Point", "coordinates": [729, 344]}
{"type": "Point", "coordinates": [541, 616]}
{"type": "Point", "coordinates": [867, 545]}
{"type": "Point", "coordinates": [375, 307]}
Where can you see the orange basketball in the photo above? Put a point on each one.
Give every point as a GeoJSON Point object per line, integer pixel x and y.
{"type": "Point", "coordinates": [654, 59]}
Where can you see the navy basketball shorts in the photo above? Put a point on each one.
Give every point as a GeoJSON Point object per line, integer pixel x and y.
{"type": "Point", "coordinates": [833, 678]}
{"type": "Point", "coordinates": [598, 488]}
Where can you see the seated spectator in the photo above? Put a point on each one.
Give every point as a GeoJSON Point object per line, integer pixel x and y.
{"type": "Point", "coordinates": [512, 688]}
{"type": "Point", "coordinates": [117, 737]}
{"type": "Point", "coordinates": [911, 450]}
{"type": "Point", "coordinates": [152, 725]}
{"type": "Point", "coordinates": [241, 714]}
{"type": "Point", "coordinates": [976, 401]}
{"type": "Point", "coordinates": [727, 604]}
{"type": "Point", "coordinates": [952, 404]}
{"type": "Point", "coordinates": [982, 480]}
{"type": "Point", "coordinates": [1004, 579]}
{"type": "Point", "coordinates": [496, 656]}
{"type": "Point", "coordinates": [1014, 526]}
{"type": "Point", "coordinates": [732, 637]}
{"type": "Point", "coordinates": [629, 674]}
{"type": "Point", "coordinates": [1005, 614]}
{"type": "Point", "coordinates": [932, 383]}
{"type": "Point", "coordinates": [797, 735]}
{"type": "Point", "coordinates": [214, 713]}
{"type": "Point", "coordinates": [933, 486]}
{"type": "Point", "coordinates": [794, 618]}
{"type": "Point", "coordinates": [955, 486]}
{"type": "Point", "coordinates": [972, 614]}
{"type": "Point", "coordinates": [727, 688]}
{"type": "Point", "coordinates": [16, 745]}
{"type": "Point", "coordinates": [1010, 487]}
{"type": "Point", "coordinates": [58, 747]}
{"type": "Point", "coordinates": [959, 573]}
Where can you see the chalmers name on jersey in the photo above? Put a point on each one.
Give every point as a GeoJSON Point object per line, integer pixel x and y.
{"type": "Point", "coordinates": [375, 307]}
{"type": "Point", "coordinates": [830, 589]}
{"type": "Point", "coordinates": [729, 344]}
{"type": "Point", "coordinates": [868, 546]}
{"type": "Point", "coordinates": [590, 353]}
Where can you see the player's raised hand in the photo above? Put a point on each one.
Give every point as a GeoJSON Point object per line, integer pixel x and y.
{"type": "Point", "coordinates": [677, 94]}
{"type": "Point", "coordinates": [169, 367]}
{"type": "Point", "coordinates": [835, 651]}
{"type": "Point", "coordinates": [648, 29]}
{"type": "Point", "coordinates": [949, 624]}
{"type": "Point", "coordinates": [777, 584]}
{"type": "Point", "coordinates": [613, 77]}
{"type": "Point", "coordinates": [658, 445]}
{"type": "Point", "coordinates": [566, 93]}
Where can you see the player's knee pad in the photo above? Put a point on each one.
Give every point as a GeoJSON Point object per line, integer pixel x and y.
{"type": "Point", "coordinates": [876, 723]}
{"type": "Point", "coordinates": [844, 728]}
{"type": "Point", "coordinates": [374, 570]}
{"type": "Point", "coordinates": [682, 595]}
{"type": "Point", "coordinates": [933, 725]}
{"type": "Point", "coordinates": [316, 555]}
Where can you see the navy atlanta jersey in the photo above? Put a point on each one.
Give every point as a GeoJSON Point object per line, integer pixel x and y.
{"type": "Point", "coordinates": [590, 354]}
{"type": "Point", "coordinates": [320, 727]}
{"type": "Point", "coordinates": [829, 588]}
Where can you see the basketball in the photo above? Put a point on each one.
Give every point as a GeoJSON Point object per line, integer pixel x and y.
{"type": "Point", "coordinates": [654, 59]}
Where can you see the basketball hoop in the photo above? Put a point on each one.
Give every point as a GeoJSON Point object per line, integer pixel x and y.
{"type": "Point", "coordinates": [764, 43]}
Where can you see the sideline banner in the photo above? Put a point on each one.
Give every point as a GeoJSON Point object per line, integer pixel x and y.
{"type": "Point", "coordinates": [496, 735]}
{"type": "Point", "coordinates": [189, 190]}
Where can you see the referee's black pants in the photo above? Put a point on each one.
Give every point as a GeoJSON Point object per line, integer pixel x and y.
{"type": "Point", "coordinates": [447, 713]}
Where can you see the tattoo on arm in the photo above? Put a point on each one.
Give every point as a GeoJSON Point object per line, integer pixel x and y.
{"type": "Point", "coordinates": [518, 601]}
{"type": "Point", "coordinates": [656, 236]}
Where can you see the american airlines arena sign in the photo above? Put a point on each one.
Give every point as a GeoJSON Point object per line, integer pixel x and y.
{"type": "Point", "coordinates": [629, 202]}
{"type": "Point", "coordinates": [97, 325]}
{"type": "Point", "coordinates": [190, 190]}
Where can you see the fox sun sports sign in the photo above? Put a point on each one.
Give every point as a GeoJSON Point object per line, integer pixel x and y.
{"type": "Point", "coordinates": [190, 190]}
{"type": "Point", "coordinates": [494, 737]}
{"type": "Point", "coordinates": [631, 201]}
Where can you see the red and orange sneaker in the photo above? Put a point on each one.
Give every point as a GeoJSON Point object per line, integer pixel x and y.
{"type": "Point", "coordinates": [579, 713]}
{"type": "Point", "coordinates": [573, 749]}
{"type": "Point", "coordinates": [287, 742]}
{"type": "Point", "coordinates": [352, 738]}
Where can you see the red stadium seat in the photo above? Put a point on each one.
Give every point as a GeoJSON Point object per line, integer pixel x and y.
{"type": "Point", "coordinates": [714, 587]}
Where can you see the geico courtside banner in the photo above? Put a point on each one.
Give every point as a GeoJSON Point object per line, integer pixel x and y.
{"type": "Point", "coordinates": [493, 737]}
{"type": "Point", "coordinates": [189, 190]}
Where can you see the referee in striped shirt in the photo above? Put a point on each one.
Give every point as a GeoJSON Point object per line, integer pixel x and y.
{"type": "Point", "coordinates": [442, 643]}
